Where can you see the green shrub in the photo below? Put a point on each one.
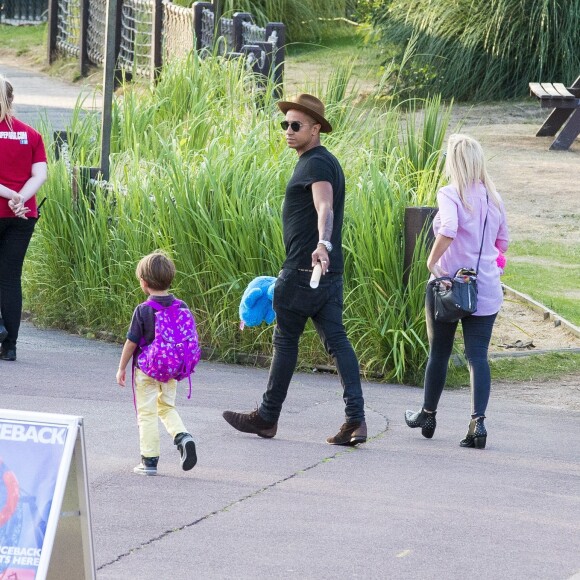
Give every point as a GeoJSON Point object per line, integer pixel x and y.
{"type": "Point", "coordinates": [481, 49]}
{"type": "Point", "coordinates": [198, 168]}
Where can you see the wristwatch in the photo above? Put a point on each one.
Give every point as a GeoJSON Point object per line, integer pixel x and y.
{"type": "Point", "coordinates": [326, 244]}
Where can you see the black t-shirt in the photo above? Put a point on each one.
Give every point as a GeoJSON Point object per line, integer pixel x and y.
{"type": "Point", "coordinates": [299, 217]}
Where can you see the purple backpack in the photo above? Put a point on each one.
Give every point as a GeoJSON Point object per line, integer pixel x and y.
{"type": "Point", "coordinates": [175, 349]}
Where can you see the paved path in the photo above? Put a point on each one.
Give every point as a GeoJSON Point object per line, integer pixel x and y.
{"type": "Point", "coordinates": [400, 506]}
{"type": "Point", "coordinates": [42, 98]}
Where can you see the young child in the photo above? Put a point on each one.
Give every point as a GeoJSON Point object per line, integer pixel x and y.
{"type": "Point", "coordinates": [154, 398]}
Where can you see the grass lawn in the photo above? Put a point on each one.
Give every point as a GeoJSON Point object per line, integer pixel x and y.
{"type": "Point", "coordinates": [23, 40]}
{"type": "Point", "coordinates": [309, 64]}
{"type": "Point", "coordinates": [549, 272]}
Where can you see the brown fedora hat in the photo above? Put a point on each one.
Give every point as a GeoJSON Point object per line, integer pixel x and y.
{"type": "Point", "coordinates": [311, 106]}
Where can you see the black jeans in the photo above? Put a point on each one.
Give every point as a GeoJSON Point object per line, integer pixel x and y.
{"type": "Point", "coordinates": [294, 303]}
{"type": "Point", "coordinates": [476, 337]}
{"type": "Point", "coordinates": [15, 234]}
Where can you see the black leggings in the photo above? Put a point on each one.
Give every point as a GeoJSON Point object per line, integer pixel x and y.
{"type": "Point", "coordinates": [15, 234]}
{"type": "Point", "coordinates": [476, 338]}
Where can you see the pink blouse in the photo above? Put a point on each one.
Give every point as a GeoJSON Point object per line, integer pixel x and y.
{"type": "Point", "coordinates": [465, 226]}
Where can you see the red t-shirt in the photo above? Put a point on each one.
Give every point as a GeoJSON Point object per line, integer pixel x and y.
{"type": "Point", "coordinates": [20, 147]}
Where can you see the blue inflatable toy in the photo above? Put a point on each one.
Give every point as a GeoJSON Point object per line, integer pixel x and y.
{"type": "Point", "coordinates": [256, 303]}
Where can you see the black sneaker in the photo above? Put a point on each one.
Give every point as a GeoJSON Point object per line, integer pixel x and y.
{"type": "Point", "coordinates": [148, 466]}
{"type": "Point", "coordinates": [186, 448]}
{"type": "Point", "coordinates": [350, 434]}
{"type": "Point", "coordinates": [251, 423]}
{"type": "Point", "coordinates": [9, 354]}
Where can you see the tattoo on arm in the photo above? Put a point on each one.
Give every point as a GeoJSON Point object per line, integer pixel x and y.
{"type": "Point", "coordinates": [328, 225]}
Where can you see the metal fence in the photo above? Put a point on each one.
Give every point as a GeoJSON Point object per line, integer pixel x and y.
{"type": "Point", "coordinates": [151, 32]}
{"type": "Point", "coordinates": [239, 36]}
{"type": "Point", "coordinates": [23, 11]}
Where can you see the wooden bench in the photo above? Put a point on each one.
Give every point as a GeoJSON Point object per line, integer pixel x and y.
{"type": "Point", "coordinates": [565, 103]}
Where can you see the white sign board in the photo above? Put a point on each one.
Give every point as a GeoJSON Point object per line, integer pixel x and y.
{"type": "Point", "coordinates": [45, 525]}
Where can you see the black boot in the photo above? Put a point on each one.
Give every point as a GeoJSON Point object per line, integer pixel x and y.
{"type": "Point", "coordinates": [476, 434]}
{"type": "Point", "coordinates": [9, 354]}
{"type": "Point", "coordinates": [422, 419]}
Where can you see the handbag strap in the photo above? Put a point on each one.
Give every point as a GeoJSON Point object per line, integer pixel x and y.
{"type": "Point", "coordinates": [483, 233]}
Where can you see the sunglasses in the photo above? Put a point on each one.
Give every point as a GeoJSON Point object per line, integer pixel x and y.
{"type": "Point", "coordinates": [294, 125]}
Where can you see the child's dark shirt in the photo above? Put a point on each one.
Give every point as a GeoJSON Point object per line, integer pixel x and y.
{"type": "Point", "coordinates": [142, 327]}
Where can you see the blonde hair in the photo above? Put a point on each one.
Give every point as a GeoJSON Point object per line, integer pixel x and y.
{"type": "Point", "coordinates": [157, 269]}
{"type": "Point", "coordinates": [6, 98]}
{"type": "Point", "coordinates": [465, 167]}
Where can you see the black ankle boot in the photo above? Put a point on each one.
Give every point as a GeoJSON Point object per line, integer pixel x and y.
{"type": "Point", "coordinates": [422, 419]}
{"type": "Point", "coordinates": [476, 434]}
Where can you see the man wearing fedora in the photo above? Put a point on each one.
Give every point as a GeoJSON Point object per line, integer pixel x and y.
{"type": "Point", "coordinates": [312, 224]}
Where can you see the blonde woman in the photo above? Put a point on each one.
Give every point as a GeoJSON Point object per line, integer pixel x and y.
{"type": "Point", "coordinates": [470, 210]}
{"type": "Point", "coordinates": [23, 170]}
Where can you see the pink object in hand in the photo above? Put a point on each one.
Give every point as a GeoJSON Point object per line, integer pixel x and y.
{"type": "Point", "coordinates": [501, 261]}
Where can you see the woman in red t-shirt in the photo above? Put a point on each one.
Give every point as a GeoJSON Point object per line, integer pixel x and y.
{"type": "Point", "coordinates": [22, 171]}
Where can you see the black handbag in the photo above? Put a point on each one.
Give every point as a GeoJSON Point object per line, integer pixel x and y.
{"type": "Point", "coordinates": [453, 303]}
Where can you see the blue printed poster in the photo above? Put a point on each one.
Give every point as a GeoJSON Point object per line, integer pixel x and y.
{"type": "Point", "coordinates": [30, 456]}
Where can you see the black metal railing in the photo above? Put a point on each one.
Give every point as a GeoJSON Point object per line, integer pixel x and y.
{"type": "Point", "coordinates": [17, 11]}
{"type": "Point", "coordinates": [151, 32]}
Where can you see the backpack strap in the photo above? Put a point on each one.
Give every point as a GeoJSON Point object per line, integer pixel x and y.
{"type": "Point", "coordinates": [156, 306]}
{"type": "Point", "coordinates": [133, 386]}
{"type": "Point", "coordinates": [483, 234]}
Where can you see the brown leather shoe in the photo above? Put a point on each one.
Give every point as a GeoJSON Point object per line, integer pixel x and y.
{"type": "Point", "coordinates": [251, 423]}
{"type": "Point", "coordinates": [350, 434]}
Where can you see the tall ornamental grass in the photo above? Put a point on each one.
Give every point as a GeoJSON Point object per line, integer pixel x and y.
{"type": "Point", "coordinates": [198, 168]}
{"type": "Point", "coordinates": [305, 20]}
{"type": "Point", "coordinates": [482, 49]}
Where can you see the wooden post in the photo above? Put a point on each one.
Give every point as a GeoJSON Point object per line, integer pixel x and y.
{"type": "Point", "coordinates": [239, 19]}
{"type": "Point", "coordinates": [60, 139]}
{"type": "Point", "coordinates": [119, 74]}
{"type": "Point", "coordinates": [111, 51]}
{"type": "Point", "coordinates": [417, 220]}
{"type": "Point", "coordinates": [198, 8]}
{"type": "Point", "coordinates": [156, 43]}
{"type": "Point", "coordinates": [83, 52]}
{"type": "Point", "coordinates": [277, 72]}
{"type": "Point", "coordinates": [52, 30]}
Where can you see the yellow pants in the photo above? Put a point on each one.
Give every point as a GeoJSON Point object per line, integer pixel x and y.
{"type": "Point", "coordinates": [155, 400]}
